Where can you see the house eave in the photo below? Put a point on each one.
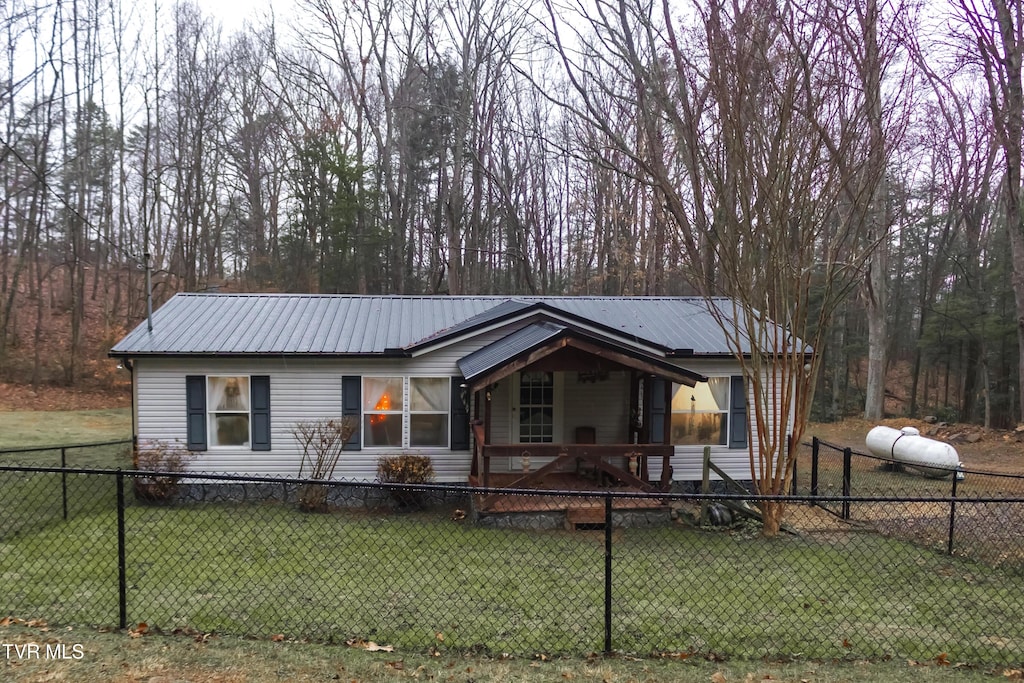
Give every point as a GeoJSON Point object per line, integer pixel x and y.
{"type": "Point", "coordinates": [387, 354]}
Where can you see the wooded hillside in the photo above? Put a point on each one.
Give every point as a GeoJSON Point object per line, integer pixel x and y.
{"type": "Point", "coordinates": [852, 169]}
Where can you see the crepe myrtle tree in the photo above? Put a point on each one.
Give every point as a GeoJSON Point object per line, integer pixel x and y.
{"type": "Point", "coordinates": [742, 119]}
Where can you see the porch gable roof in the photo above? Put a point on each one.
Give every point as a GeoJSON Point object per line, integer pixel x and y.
{"type": "Point", "coordinates": [541, 339]}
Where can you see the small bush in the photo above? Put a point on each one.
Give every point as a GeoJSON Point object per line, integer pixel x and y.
{"type": "Point", "coordinates": [164, 457]}
{"type": "Point", "coordinates": [405, 469]}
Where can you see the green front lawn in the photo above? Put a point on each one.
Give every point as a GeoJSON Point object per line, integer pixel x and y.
{"type": "Point", "coordinates": [25, 429]}
{"type": "Point", "coordinates": [422, 581]}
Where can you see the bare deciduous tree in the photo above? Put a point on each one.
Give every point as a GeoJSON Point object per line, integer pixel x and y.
{"type": "Point", "coordinates": [749, 137]}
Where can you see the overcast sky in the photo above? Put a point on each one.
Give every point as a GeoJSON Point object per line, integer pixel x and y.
{"type": "Point", "coordinates": [234, 13]}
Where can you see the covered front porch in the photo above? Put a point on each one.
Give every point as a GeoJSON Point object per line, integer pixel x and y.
{"type": "Point", "coordinates": [563, 409]}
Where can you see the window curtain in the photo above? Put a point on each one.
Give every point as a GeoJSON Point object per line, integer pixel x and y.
{"type": "Point", "coordinates": [229, 394]}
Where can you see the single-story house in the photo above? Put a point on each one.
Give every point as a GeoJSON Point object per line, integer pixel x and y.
{"type": "Point", "coordinates": [486, 386]}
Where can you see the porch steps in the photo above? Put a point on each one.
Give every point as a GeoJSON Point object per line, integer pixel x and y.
{"type": "Point", "coordinates": [581, 518]}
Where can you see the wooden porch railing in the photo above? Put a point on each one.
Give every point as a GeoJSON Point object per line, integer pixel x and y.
{"type": "Point", "coordinates": [571, 457]}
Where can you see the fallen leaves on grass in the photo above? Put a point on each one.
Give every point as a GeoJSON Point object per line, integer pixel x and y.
{"type": "Point", "coordinates": [718, 677]}
{"type": "Point", "coordinates": [196, 635]}
{"type": "Point", "coordinates": [1013, 674]}
{"type": "Point", "coordinates": [368, 645]}
{"type": "Point", "coordinates": [682, 656]}
{"type": "Point", "coordinates": [31, 623]}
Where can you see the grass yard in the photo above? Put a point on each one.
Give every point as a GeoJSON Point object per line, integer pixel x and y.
{"type": "Point", "coordinates": [121, 658]}
{"type": "Point", "coordinates": [447, 593]}
{"type": "Point", "coordinates": [24, 429]}
{"type": "Point", "coordinates": [42, 497]}
{"type": "Point", "coordinates": [422, 582]}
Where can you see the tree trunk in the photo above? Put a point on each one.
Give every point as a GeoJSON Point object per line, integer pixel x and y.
{"type": "Point", "coordinates": [877, 217]}
{"type": "Point", "coordinates": [772, 512]}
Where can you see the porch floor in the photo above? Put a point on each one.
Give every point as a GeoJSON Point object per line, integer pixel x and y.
{"type": "Point", "coordinates": [559, 481]}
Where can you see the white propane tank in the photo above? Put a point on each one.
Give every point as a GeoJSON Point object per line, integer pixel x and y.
{"type": "Point", "coordinates": [907, 447]}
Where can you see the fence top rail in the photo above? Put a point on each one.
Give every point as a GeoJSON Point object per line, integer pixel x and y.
{"type": "Point", "coordinates": [965, 470]}
{"type": "Point", "coordinates": [193, 477]}
{"type": "Point", "coordinates": [33, 449]}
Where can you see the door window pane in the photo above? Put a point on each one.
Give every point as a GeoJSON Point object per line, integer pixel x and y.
{"type": "Point", "coordinates": [536, 407]}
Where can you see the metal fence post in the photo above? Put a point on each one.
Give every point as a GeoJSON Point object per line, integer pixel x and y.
{"type": "Point", "coordinates": [847, 466]}
{"type": "Point", "coordinates": [607, 574]}
{"type": "Point", "coordinates": [64, 481]}
{"type": "Point", "coordinates": [815, 445]}
{"type": "Point", "coordinates": [952, 515]}
{"type": "Point", "coordinates": [122, 579]}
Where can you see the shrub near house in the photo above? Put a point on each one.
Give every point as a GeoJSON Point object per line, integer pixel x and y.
{"type": "Point", "coordinates": [405, 469]}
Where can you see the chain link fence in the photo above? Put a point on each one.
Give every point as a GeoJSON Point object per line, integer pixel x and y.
{"type": "Point", "coordinates": [452, 568]}
{"type": "Point", "coordinates": [962, 511]}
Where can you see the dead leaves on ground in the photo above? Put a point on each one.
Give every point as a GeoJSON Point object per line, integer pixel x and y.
{"type": "Point", "coordinates": [368, 645]}
{"type": "Point", "coordinates": [719, 677]}
{"type": "Point", "coordinates": [139, 631]}
{"type": "Point", "coordinates": [941, 659]}
{"type": "Point", "coordinates": [31, 623]}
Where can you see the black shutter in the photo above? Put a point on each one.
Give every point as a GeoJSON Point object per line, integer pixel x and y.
{"type": "Point", "coordinates": [737, 413]}
{"type": "Point", "coordinates": [460, 417]}
{"type": "Point", "coordinates": [259, 388]}
{"type": "Point", "coordinates": [352, 407]}
{"type": "Point", "coordinates": [195, 406]}
{"type": "Point", "coordinates": [658, 410]}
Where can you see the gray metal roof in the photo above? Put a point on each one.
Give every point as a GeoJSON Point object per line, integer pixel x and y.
{"type": "Point", "coordinates": [245, 324]}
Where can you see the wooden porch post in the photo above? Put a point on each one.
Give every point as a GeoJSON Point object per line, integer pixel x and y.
{"type": "Point", "coordinates": [633, 428]}
{"type": "Point", "coordinates": [487, 435]}
{"type": "Point", "coordinates": [667, 435]}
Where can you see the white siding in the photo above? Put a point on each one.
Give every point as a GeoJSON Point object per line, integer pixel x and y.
{"type": "Point", "coordinates": [310, 388]}
{"type": "Point", "coordinates": [300, 389]}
